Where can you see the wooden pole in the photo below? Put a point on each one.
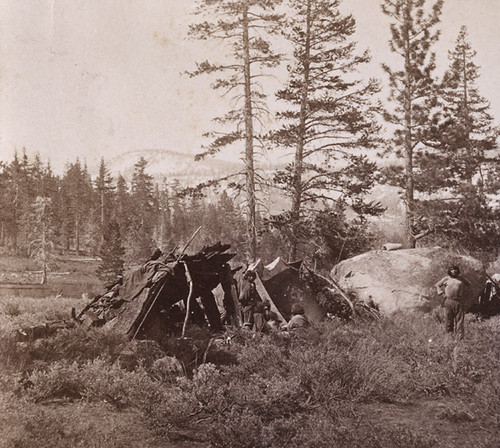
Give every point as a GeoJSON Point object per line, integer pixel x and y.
{"type": "Point", "coordinates": [188, 243]}
{"type": "Point", "coordinates": [188, 303]}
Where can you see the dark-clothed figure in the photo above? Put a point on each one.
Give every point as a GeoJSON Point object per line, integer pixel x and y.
{"type": "Point", "coordinates": [454, 287]}
{"type": "Point", "coordinates": [249, 298]}
{"type": "Point", "coordinates": [259, 317]}
{"type": "Point", "coordinates": [271, 319]}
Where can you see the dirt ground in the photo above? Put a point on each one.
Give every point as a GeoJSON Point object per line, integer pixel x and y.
{"type": "Point", "coordinates": [110, 427]}
{"type": "Point", "coordinates": [76, 423]}
{"type": "Point", "coordinates": [443, 420]}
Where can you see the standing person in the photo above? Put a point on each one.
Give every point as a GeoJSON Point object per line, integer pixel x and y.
{"type": "Point", "coordinates": [249, 298]}
{"type": "Point", "coordinates": [453, 286]}
{"type": "Point", "coordinates": [259, 317]}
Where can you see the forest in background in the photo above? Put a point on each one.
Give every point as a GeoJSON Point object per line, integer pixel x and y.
{"type": "Point", "coordinates": [437, 127]}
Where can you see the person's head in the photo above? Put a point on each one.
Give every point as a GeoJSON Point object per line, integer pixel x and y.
{"type": "Point", "coordinates": [297, 308]}
{"type": "Point", "coordinates": [266, 305]}
{"type": "Point", "coordinates": [249, 276]}
{"type": "Point", "coordinates": [454, 271]}
{"type": "Point", "coordinates": [156, 254]}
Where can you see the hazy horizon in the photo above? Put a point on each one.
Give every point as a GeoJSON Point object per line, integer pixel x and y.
{"type": "Point", "coordinates": [92, 79]}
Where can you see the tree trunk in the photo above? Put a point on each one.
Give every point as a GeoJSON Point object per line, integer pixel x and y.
{"type": "Point", "coordinates": [466, 118]}
{"type": "Point", "coordinates": [102, 215]}
{"type": "Point", "coordinates": [249, 153]}
{"type": "Point", "coordinates": [299, 150]}
{"type": "Point", "coordinates": [77, 236]}
{"type": "Point", "coordinates": [408, 147]}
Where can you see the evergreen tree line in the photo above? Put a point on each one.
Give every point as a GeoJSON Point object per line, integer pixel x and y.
{"type": "Point", "coordinates": [45, 215]}
{"type": "Point", "coordinates": [327, 116]}
{"type": "Point", "coordinates": [330, 118]}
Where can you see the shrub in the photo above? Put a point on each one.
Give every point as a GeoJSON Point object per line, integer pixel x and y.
{"type": "Point", "coordinates": [11, 309]}
{"type": "Point", "coordinates": [60, 380]}
{"type": "Point", "coordinates": [96, 380]}
{"type": "Point", "coordinates": [170, 408]}
{"type": "Point", "coordinates": [199, 346]}
{"type": "Point", "coordinates": [71, 345]}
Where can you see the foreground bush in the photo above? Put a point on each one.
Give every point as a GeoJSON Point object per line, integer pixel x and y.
{"type": "Point", "coordinates": [311, 381]}
{"type": "Point", "coordinates": [71, 345]}
{"type": "Point", "coordinates": [96, 380]}
{"type": "Point", "coordinates": [281, 391]}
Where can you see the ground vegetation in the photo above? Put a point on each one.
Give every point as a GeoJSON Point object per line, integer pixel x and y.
{"type": "Point", "coordinates": [388, 383]}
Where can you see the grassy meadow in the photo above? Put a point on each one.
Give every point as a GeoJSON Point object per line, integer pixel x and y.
{"type": "Point", "coordinates": [398, 382]}
{"type": "Point", "coordinates": [68, 276]}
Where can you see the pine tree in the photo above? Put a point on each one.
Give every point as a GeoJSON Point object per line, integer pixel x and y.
{"type": "Point", "coordinates": [412, 85]}
{"type": "Point", "coordinates": [105, 190]}
{"type": "Point", "coordinates": [19, 198]}
{"type": "Point", "coordinates": [38, 177]}
{"type": "Point", "coordinates": [142, 214]}
{"type": "Point", "coordinates": [180, 220]}
{"type": "Point", "coordinates": [243, 26]}
{"type": "Point", "coordinates": [466, 130]}
{"type": "Point", "coordinates": [41, 233]}
{"type": "Point", "coordinates": [122, 208]}
{"type": "Point", "coordinates": [457, 172]}
{"type": "Point", "coordinates": [6, 208]}
{"type": "Point", "coordinates": [111, 253]}
{"type": "Point", "coordinates": [330, 116]}
{"type": "Point", "coordinates": [164, 229]}
{"type": "Point", "coordinates": [76, 203]}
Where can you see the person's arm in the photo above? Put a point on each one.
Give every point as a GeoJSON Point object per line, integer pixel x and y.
{"type": "Point", "coordinates": [440, 285]}
{"type": "Point", "coordinates": [243, 298]}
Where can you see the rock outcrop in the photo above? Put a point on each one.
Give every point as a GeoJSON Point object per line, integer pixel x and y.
{"type": "Point", "coordinates": [405, 279]}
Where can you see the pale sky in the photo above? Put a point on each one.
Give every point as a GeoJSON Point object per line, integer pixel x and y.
{"type": "Point", "coordinates": [94, 78]}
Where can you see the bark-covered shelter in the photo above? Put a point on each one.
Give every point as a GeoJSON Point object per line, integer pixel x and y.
{"type": "Point", "coordinates": [283, 284]}
{"type": "Point", "coordinates": [151, 300]}
{"type": "Point", "coordinates": [154, 299]}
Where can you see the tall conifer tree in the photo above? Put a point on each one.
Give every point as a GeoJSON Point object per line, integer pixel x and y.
{"type": "Point", "coordinates": [77, 188]}
{"type": "Point", "coordinates": [243, 26]}
{"type": "Point", "coordinates": [143, 217]}
{"type": "Point", "coordinates": [330, 115]}
{"type": "Point", "coordinates": [457, 170]}
{"type": "Point", "coordinates": [105, 190]}
{"type": "Point", "coordinates": [112, 253]}
{"type": "Point", "coordinates": [412, 85]}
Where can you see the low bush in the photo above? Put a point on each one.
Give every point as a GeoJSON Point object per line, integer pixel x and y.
{"type": "Point", "coordinates": [10, 308]}
{"type": "Point", "coordinates": [275, 390]}
{"type": "Point", "coordinates": [71, 345]}
{"type": "Point", "coordinates": [243, 429]}
{"type": "Point", "coordinates": [198, 347]}
{"type": "Point", "coordinates": [95, 380]}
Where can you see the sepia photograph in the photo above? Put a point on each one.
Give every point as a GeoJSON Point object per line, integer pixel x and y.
{"type": "Point", "coordinates": [249, 223]}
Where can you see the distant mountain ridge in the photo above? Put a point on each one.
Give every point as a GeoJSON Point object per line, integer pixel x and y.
{"type": "Point", "coordinates": [170, 165]}
{"type": "Point", "coordinates": [165, 163]}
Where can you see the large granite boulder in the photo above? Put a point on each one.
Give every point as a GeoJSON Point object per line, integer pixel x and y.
{"type": "Point", "coordinates": [405, 279]}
